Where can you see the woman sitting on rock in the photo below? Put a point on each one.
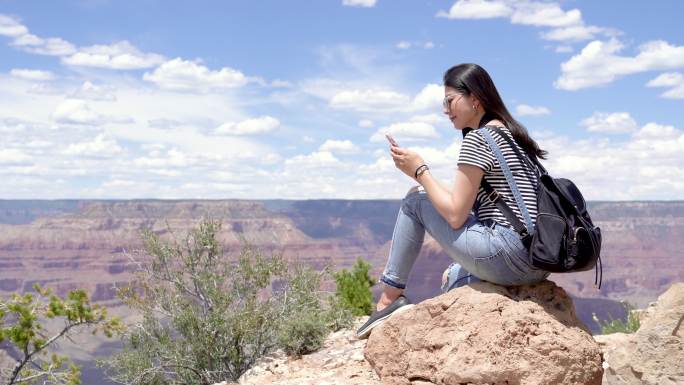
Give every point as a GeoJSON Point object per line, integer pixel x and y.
{"type": "Point", "coordinates": [464, 220]}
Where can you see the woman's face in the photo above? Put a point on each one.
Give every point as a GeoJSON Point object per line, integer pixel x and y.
{"type": "Point", "coordinates": [459, 108]}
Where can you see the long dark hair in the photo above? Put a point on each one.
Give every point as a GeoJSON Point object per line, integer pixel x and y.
{"type": "Point", "coordinates": [472, 79]}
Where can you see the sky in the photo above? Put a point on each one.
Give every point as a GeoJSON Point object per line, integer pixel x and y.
{"type": "Point", "coordinates": [105, 99]}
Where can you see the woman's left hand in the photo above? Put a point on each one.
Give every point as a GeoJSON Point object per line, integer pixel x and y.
{"type": "Point", "coordinates": [406, 160]}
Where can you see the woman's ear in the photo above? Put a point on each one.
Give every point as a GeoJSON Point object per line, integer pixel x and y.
{"type": "Point", "coordinates": [475, 103]}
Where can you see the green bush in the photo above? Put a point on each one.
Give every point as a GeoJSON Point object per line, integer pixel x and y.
{"type": "Point", "coordinates": [23, 330]}
{"type": "Point", "coordinates": [207, 318]}
{"type": "Point", "coordinates": [630, 325]}
{"type": "Point", "coordinates": [354, 288]}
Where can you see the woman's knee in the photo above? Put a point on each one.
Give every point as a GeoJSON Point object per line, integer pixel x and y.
{"type": "Point", "coordinates": [414, 189]}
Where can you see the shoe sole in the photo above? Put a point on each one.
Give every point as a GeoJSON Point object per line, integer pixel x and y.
{"type": "Point", "coordinates": [366, 332]}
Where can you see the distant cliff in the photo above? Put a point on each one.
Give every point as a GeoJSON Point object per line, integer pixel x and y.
{"type": "Point", "coordinates": [73, 243]}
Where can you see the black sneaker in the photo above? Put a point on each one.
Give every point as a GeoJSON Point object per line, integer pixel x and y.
{"type": "Point", "coordinates": [400, 304]}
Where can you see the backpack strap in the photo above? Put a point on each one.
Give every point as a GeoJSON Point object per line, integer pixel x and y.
{"type": "Point", "coordinates": [527, 229]}
{"type": "Point", "coordinates": [531, 161]}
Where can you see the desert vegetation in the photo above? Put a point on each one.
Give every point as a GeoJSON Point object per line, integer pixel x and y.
{"type": "Point", "coordinates": [207, 317]}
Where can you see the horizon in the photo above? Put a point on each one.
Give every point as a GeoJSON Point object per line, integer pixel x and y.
{"type": "Point", "coordinates": [282, 199]}
{"type": "Point", "coordinates": [290, 101]}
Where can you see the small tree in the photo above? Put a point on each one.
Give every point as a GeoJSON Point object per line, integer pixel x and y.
{"type": "Point", "coordinates": [207, 317]}
{"type": "Point", "coordinates": [22, 321]}
{"type": "Point", "coordinates": [354, 288]}
{"type": "Point", "coordinates": [630, 325]}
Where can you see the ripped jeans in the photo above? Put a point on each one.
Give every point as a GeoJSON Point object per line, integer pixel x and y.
{"type": "Point", "coordinates": [484, 251]}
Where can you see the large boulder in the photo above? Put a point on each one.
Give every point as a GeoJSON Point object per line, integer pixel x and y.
{"type": "Point", "coordinates": [655, 353]}
{"type": "Point", "coordinates": [487, 334]}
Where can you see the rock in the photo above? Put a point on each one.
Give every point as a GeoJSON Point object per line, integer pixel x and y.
{"type": "Point", "coordinates": [487, 334]}
{"type": "Point", "coordinates": [655, 353]}
{"type": "Point", "coordinates": [339, 362]}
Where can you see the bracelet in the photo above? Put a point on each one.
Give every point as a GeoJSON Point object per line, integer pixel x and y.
{"type": "Point", "coordinates": [420, 170]}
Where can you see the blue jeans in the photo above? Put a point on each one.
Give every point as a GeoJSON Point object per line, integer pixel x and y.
{"type": "Point", "coordinates": [484, 251]}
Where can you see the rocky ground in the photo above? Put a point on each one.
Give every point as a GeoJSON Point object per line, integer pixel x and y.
{"type": "Point", "coordinates": [340, 361]}
{"type": "Point", "coordinates": [653, 355]}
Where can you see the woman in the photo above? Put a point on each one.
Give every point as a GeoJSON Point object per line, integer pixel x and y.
{"type": "Point", "coordinates": [483, 243]}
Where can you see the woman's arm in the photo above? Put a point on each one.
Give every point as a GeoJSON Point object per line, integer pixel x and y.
{"type": "Point", "coordinates": [454, 205]}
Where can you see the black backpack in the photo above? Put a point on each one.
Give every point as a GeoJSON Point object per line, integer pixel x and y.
{"type": "Point", "coordinates": [565, 239]}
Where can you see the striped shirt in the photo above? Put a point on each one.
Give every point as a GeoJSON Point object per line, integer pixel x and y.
{"type": "Point", "coordinates": [475, 151]}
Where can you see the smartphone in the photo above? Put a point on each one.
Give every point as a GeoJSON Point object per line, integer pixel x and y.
{"type": "Point", "coordinates": [391, 140]}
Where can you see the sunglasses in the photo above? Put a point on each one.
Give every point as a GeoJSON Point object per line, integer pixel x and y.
{"type": "Point", "coordinates": [446, 103]}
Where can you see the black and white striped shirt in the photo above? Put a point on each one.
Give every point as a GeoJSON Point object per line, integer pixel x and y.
{"type": "Point", "coordinates": [475, 151]}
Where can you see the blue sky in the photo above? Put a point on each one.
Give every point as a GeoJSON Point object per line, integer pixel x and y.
{"type": "Point", "coordinates": [289, 99]}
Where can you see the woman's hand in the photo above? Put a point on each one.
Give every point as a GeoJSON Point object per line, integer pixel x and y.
{"type": "Point", "coordinates": [406, 160]}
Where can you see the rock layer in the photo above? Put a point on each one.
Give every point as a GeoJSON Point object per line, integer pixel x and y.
{"type": "Point", "coordinates": [487, 334]}
{"type": "Point", "coordinates": [655, 353]}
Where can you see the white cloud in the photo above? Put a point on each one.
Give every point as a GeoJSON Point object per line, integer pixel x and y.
{"type": "Point", "coordinates": [418, 44]}
{"type": "Point", "coordinates": [315, 160]}
{"type": "Point", "coordinates": [173, 158]}
{"type": "Point", "coordinates": [663, 133]}
{"type": "Point", "coordinates": [254, 126]}
{"type": "Point", "coordinates": [28, 74]}
{"type": "Point", "coordinates": [184, 75]}
{"type": "Point", "coordinates": [598, 63]}
{"type": "Point", "coordinates": [564, 49]}
{"type": "Point", "coordinates": [99, 147]}
{"type": "Point", "coordinates": [477, 9]}
{"type": "Point", "coordinates": [76, 112]}
{"type": "Point", "coordinates": [339, 147]}
{"type": "Point", "coordinates": [643, 167]}
{"type": "Point", "coordinates": [369, 100]}
{"type": "Point", "coordinates": [366, 123]}
{"type": "Point", "coordinates": [90, 91]}
{"type": "Point", "coordinates": [672, 80]}
{"type": "Point", "coordinates": [406, 131]}
{"type": "Point", "coordinates": [44, 89]}
{"type": "Point", "coordinates": [121, 56]}
{"type": "Point", "coordinates": [359, 3]}
{"type": "Point", "coordinates": [566, 25]}
{"type": "Point", "coordinates": [11, 125]}
{"type": "Point", "coordinates": [544, 15]}
{"type": "Point", "coordinates": [382, 100]}
{"type": "Point", "coordinates": [541, 14]}
{"type": "Point", "coordinates": [430, 97]}
{"type": "Point", "coordinates": [120, 184]}
{"type": "Point", "coordinates": [433, 119]}
{"type": "Point", "coordinates": [163, 123]}
{"type": "Point", "coordinates": [525, 110]}
{"type": "Point", "coordinates": [403, 45]}
{"type": "Point", "coordinates": [52, 46]}
{"type": "Point", "coordinates": [278, 83]}
{"type": "Point", "coordinates": [9, 26]}
{"type": "Point", "coordinates": [39, 144]}
{"type": "Point", "coordinates": [575, 33]}
{"type": "Point", "coordinates": [27, 39]}
{"type": "Point", "coordinates": [383, 165]}
{"type": "Point", "coordinates": [610, 123]}
{"type": "Point", "coordinates": [13, 156]}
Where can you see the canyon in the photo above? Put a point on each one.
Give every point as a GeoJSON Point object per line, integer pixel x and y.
{"type": "Point", "coordinates": [73, 244]}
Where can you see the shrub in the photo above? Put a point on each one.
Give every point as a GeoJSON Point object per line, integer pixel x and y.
{"type": "Point", "coordinates": [354, 288]}
{"type": "Point", "coordinates": [629, 325]}
{"type": "Point", "coordinates": [207, 318]}
{"type": "Point", "coordinates": [23, 320]}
